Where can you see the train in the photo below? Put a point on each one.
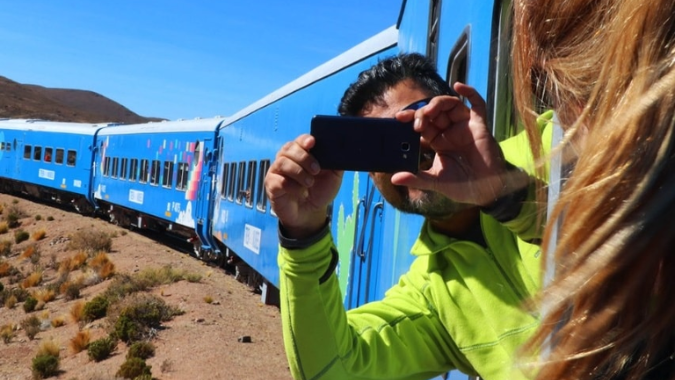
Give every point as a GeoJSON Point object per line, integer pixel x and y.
{"type": "Point", "coordinates": [202, 179]}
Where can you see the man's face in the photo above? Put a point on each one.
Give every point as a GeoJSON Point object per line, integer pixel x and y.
{"type": "Point", "coordinates": [423, 202]}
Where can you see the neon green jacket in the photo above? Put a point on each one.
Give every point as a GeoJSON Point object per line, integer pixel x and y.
{"type": "Point", "coordinates": [458, 307]}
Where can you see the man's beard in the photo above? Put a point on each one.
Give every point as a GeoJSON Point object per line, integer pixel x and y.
{"type": "Point", "coordinates": [430, 204]}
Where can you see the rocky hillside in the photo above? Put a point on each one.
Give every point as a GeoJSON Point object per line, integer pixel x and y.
{"type": "Point", "coordinates": [24, 101]}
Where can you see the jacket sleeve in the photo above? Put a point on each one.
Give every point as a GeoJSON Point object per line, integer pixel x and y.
{"type": "Point", "coordinates": [528, 221]}
{"type": "Point", "coordinates": [398, 337]}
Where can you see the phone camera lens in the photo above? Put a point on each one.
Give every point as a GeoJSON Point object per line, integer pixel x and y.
{"type": "Point", "coordinates": [405, 147]}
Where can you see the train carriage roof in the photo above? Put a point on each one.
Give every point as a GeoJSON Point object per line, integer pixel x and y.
{"type": "Point", "coordinates": [373, 45]}
{"type": "Point", "coordinates": [192, 125]}
{"type": "Point", "coordinates": [52, 126]}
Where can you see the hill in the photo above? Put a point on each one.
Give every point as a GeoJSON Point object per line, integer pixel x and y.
{"type": "Point", "coordinates": [25, 101]}
{"type": "Point", "coordinates": [203, 343]}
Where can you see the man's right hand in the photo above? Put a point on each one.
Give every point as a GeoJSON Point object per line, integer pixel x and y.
{"type": "Point", "coordinates": [298, 190]}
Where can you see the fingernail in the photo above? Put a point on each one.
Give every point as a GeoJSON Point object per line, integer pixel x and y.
{"type": "Point", "coordinates": [418, 121]}
{"type": "Point", "coordinates": [315, 168]}
{"type": "Point", "coordinates": [309, 181]}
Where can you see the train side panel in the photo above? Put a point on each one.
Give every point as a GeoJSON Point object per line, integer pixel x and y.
{"type": "Point", "coordinates": [49, 160]}
{"type": "Point", "coordinates": [148, 176]}
{"type": "Point", "coordinates": [242, 219]}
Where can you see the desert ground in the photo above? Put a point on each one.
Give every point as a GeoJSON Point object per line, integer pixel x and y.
{"type": "Point", "coordinates": [206, 341]}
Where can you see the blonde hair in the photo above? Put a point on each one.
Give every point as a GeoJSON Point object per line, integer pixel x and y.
{"type": "Point", "coordinates": [606, 67]}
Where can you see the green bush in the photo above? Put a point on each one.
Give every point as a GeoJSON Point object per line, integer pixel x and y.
{"type": "Point", "coordinates": [133, 368]}
{"type": "Point", "coordinates": [45, 366]}
{"type": "Point", "coordinates": [29, 304]}
{"type": "Point", "coordinates": [20, 236]}
{"type": "Point", "coordinates": [101, 349]}
{"type": "Point", "coordinates": [138, 315]}
{"type": "Point", "coordinates": [142, 350]}
{"type": "Point", "coordinates": [95, 309]}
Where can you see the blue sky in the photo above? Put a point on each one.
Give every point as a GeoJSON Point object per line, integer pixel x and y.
{"type": "Point", "coordinates": [180, 59]}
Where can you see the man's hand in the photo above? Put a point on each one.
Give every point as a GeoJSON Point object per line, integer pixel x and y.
{"type": "Point", "coordinates": [469, 166]}
{"type": "Point", "coordinates": [298, 190]}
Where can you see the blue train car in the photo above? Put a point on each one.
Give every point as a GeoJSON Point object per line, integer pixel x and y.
{"type": "Point", "coordinates": [149, 175]}
{"type": "Point", "coordinates": [48, 160]}
{"type": "Point", "coordinates": [242, 220]}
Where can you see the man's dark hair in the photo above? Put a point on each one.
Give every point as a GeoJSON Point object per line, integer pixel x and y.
{"type": "Point", "coordinates": [375, 81]}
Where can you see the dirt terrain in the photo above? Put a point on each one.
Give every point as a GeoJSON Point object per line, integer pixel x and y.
{"type": "Point", "coordinates": [203, 343]}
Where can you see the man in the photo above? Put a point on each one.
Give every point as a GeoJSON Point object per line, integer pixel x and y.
{"type": "Point", "coordinates": [460, 304]}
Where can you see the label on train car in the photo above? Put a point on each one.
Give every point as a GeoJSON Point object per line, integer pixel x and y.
{"type": "Point", "coordinates": [46, 174]}
{"type": "Point", "coordinates": [136, 196]}
{"type": "Point", "coordinates": [252, 236]}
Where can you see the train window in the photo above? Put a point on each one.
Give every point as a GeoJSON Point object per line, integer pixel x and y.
{"type": "Point", "coordinates": [154, 173]}
{"type": "Point", "coordinates": [133, 169]}
{"type": "Point", "coordinates": [115, 167]}
{"type": "Point", "coordinates": [231, 181]}
{"type": "Point", "coordinates": [71, 158]}
{"type": "Point", "coordinates": [224, 183]}
{"type": "Point", "coordinates": [261, 203]}
{"type": "Point", "coordinates": [434, 25]}
{"type": "Point", "coordinates": [250, 181]}
{"type": "Point", "coordinates": [2, 145]}
{"type": "Point", "coordinates": [8, 147]}
{"type": "Point", "coordinates": [37, 153]}
{"type": "Point", "coordinates": [106, 166]}
{"type": "Point", "coordinates": [59, 156]}
{"type": "Point", "coordinates": [182, 180]}
{"type": "Point", "coordinates": [27, 151]}
{"type": "Point", "coordinates": [48, 154]}
{"type": "Point", "coordinates": [240, 181]}
{"type": "Point", "coordinates": [123, 168]}
{"type": "Point", "coordinates": [459, 60]}
{"type": "Point", "coordinates": [167, 175]}
{"type": "Point", "coordinates": [144, 172]}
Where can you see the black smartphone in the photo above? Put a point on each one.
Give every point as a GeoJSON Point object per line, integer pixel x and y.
{"type": "Point", "coordinates": [365, 144]}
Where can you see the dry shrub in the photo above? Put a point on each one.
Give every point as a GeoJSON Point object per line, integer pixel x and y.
{"type": "Point", "coordinates": [32, 280]}
{"type": "Point", "coordinates": [4, 227]}
{"type": "Point", "coordinates": [11, 301]}
{"type": "Point", "coordinates": [102, 265]}
{"type": "Point", "coordinates": [90, 241]}
{"type": "Point", "coordinates": [208, 299]}
{"type": "Point", "coordinates": [71, 289]}
{"type": "Point", "coordinates": [39, 235]}
{"type": "Point", "coordinates": [28, 252]}
{"type": "Point", "coordinates": [7, 332]}
{"type": "Point", "coordinates": [48, 347]}
{"type": "Point", "coordinates": [44, 295]}
{"type": "Point", "coordinates": [58, 321]}
{"type": "Point", "coordinates": [2, 208]}
{"type": "Point", "coordinates": [31, 326]}
{"type": "Point", "coordinates": [6, 269]}
{"type": "Point", "coordinates": [80, 341]}
{"type": "Point", "coordinates": [13, 214]}
{"type": "Point", "coordinates": [5, 247]}
{"type": "Point", "coordinates": [76, 311]}
{"type": "Point", "coordinates": [73, 263]}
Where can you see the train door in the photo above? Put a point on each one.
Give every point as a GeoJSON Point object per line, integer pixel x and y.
{"type": "Point", "coordinates": [9, 157]}
{"type": "Point", "coordinates": [204, 166]}
{"type": "Point", "coordinates": [366, 247]}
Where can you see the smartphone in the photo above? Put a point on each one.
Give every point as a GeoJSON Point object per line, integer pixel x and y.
{"type": "Point", "coordinates": [365, 144]}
